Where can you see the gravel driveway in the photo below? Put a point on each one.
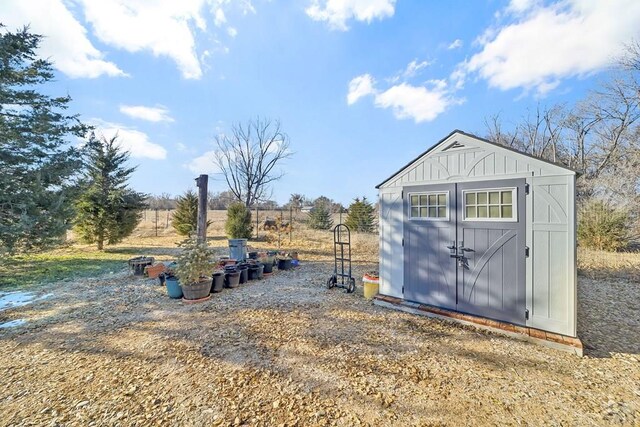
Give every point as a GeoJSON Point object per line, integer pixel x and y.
{"type": "Point", "coordinates": [286, 351]}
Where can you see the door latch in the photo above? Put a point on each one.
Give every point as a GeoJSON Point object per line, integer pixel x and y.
{"type": "Point", "coordinates": [453, 249]}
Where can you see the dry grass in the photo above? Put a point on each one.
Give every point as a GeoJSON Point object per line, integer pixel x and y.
{"type": "Point", "coordinates": [313, 245]}
{"type": "Point", "coordinates": [601, 264]}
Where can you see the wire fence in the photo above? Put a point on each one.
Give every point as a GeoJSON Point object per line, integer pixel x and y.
{"type": "Point", "coordinates": [283, 221]}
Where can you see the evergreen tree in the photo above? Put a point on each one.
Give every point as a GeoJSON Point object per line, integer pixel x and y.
{"type": "Point", "coordinates": [238, 225]}
{"type": "Point", "coordinates": [320, 215]}
{"type": "Point", "coordinates": [361, 216]}
{"type": "Point", "coordinates": [107, 209]}
{"type": "Point", "coordinates": [38, 167]}
{"type": "Point", "coordinates": [185, 217]}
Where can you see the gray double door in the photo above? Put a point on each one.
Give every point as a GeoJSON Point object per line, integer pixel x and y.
{"type": "Point", "coordinates": [486, 274]}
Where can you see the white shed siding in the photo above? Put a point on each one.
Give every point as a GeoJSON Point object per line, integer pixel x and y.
{"type": "Point", "coordinates": [550, 224]}
{"type": "Point", "coordinates": [476, 159]}
{"type": "Point", "coordinates": [552, 283]}
{"type": "Point", "coordinates": [391, 250]}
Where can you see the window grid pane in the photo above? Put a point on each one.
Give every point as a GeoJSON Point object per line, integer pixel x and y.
{"type": "Point", "coordinates": [428, 205]}
{"type": "Point", "coordinates": [494, 204]}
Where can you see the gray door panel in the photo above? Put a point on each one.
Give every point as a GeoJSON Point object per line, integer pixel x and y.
{"type": "Point", "coordinates": [429, 271]}
{"type": "Point", "coordinates": [491, 283]}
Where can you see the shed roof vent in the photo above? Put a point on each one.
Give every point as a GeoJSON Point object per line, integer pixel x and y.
{"type": "Point", "coordinates": [454, 144]}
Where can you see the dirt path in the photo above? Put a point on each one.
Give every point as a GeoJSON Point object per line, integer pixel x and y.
{"type": "Point", "coordinates": [286, 351]}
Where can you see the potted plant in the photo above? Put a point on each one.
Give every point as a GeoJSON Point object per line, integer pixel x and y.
{"type": "Point", "coordinates": [267, 262]}
{"type": "Point", "coordinates": [194, 266]}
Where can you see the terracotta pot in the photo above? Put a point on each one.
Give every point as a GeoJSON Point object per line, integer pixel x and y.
{"type": "Point", "coordinates": [198, 290]}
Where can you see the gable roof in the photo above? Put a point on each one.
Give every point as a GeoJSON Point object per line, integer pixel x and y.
{"type": "Point", "coordinates": [470, 135]}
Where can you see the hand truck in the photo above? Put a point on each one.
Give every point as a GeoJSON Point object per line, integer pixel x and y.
{"type": "Point", "coordinates": [348, 283]}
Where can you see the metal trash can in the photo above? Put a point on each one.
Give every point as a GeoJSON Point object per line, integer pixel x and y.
{"type": "Point", "coordinates": [238, 249]}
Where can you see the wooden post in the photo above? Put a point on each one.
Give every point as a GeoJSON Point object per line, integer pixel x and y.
{"type": "Point", "coordinates": [156, 222]}
{"type": "Point", "coordinates": [201, 230]}
{"type": "Point", "coordinates": [257, 223]}
{"type": "Point", "coordinates": [290, 222]}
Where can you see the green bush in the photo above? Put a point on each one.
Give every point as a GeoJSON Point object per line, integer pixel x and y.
{"type": "Point", "coordinates": [238, 225]}
{"type": "Point", "coordinates": [320, 216]}
{"type": "Point", "coordinates": [361, 216]}
{"type": "Point", "coordinates": [185, 217]}
{"type": "Point", "coordinates": [603, 227]}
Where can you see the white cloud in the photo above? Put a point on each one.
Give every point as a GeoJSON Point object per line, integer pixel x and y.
{"type": "Point", "coordinates": [337, 12]}
{"type": "Point", "coordinates": [219, 18]}
{"type": "Point", "coordinates": [413, 68]}
{"type": "Point", "coordinates": [545, 44]}
{"type": "Point", "coordinates": [162, 27]}
{"type": "Point", "coordinates": [152, 114]}
{"type": "Point", "coordinates": [457, 43]}
{"type": "Point", "coordinates": [132, 140]}
{"type": "Point", "coordinates": [204, 163]}
{"type": "Point", "coordinates": [232, 31]}
{"type": "Point", "coordinates": [66, 43]}
{"type": "Point", "coordinates": [420, 103]}
{"type": "Point", "coordinates": [358, 87]}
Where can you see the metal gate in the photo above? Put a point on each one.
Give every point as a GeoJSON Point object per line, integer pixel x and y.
{"type": "Point", "coordinates": [464, 247]}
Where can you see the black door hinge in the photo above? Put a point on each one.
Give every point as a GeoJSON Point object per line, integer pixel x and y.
{"type": "Point", "coordinates": [402, 194]}
{"type": "Point", "coordinates": [403, 289]}
{"type": "Point", "coordinates": [526, 188]}
{"type": "Point", "coordinates": [402, 241]}
{"type": "Point", "coordinates": [526, 314]}
{"type": "Point", "coordinates": [526, 251]}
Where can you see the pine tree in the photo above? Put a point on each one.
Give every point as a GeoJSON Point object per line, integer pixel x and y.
{"type": "Point", "coordinates": [107, 210]}
{"type": "Point", "coordinates": [185, 217]}
{"type": "Point", "coordinates": [361, 216]}
{"type": "Point", "coordinates": [38, 166]}
{"type": "Point", "coordinates": [320, 215]}
{"type": "Point", "coordinates": [238, 225]}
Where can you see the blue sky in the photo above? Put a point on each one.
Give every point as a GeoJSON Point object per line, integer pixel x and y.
{"type": "Point", "coordinates": [360, 87]}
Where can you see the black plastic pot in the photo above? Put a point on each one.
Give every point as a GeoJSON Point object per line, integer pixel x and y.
{"type": "Point", "coordinates": [255, 272]}
{"type": "Point", "coordinates": [253, 255]}
{"type": "Point", "coordinates": [267, 268]}
{"type": "Point", "coordinates": [243, 269]}
{"type": "Point", "coordinates": [284, 264]}
{"type": "Point", "coordinates": [231, 279]}
{"type": "Point", "coordinates": [218, 282]}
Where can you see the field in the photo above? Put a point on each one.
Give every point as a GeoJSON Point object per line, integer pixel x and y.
{"type": "Point", "coordinates": [104, 348]}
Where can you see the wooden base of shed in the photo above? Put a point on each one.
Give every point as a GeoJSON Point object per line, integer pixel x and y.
{"type": "Point", "coordinates": [537, 336]}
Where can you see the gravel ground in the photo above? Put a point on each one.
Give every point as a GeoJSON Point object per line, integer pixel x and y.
{"type": "Point", "coordinates": [286, 351]}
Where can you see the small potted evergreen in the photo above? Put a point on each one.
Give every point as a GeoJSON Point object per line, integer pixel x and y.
{"type": "Point", "coordinates": [194, 267]}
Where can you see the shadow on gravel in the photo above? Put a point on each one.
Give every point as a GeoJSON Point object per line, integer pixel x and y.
{"type": "Point", "coordinates": [608, 316]}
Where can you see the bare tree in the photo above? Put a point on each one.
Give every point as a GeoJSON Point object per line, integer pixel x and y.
{"type": "Point", "coordinates": [248, 157]}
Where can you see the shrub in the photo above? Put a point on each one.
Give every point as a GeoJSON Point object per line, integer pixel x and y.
{"type": "Point", "coordinates": [320, 216]}
{"type": "Point", "coordinates": [360, 216]}
{"type": "Point", "coordinates": [195, 262]}
{"type": "Point", "coordinates": [185, 217]}
{"type": "Point", "coordinates": [603, 227]}
{"type": "Point", "coordinates": [238, 225]}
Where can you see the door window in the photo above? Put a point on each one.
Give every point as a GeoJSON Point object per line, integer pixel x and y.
{"type": "Point", "coordinates": [430, 206]}
{"type": "Point", "coordinates": [498, 204]}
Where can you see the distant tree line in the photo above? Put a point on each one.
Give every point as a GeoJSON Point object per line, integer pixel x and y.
{"type": "Point", "coordinates": [599, 136]}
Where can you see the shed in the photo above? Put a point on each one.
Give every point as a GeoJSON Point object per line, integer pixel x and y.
{"type": "Point", "coordinates": [475, 227]}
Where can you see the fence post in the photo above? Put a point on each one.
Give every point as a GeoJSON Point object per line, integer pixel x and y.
{"type": "Point", "coordinates": [167, 223]}
{"type": "Point", "coordinates": [257, 223]}
{"type": "Point", "coordinates": [290, 222]}
{"type": "Point", "coordinates": [156, 222]}
{"type": "Point", "coordinates": [201, 230]}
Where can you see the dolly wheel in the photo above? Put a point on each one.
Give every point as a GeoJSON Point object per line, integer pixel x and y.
{"type": "Point", "coordinates": [351, 287]}
{"type": "Point", "coordinates": [332, 282]}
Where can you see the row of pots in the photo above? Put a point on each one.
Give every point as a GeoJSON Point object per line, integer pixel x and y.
{"type": "Point", "coordinates": [232, 276]}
